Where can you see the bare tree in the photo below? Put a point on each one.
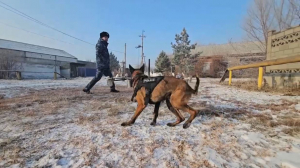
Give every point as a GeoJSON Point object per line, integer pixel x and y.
{"type": "Point", "coordinates": [285, 13]}
{"type": "Point", "coordinates": [259, 21]}
{"type": "Point", "coordinates": [8, 63]}
{"type": "Point", "coordinates": [295, 5]}
{"type": "Point", "coordinates": [265, 15]}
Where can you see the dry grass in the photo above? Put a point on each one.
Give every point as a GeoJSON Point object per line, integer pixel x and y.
{"type": "Point", "coordinates": [38, 113]}
{"type": "Point", "coordinates": [13, 155]}
{"type": "Point", "coordinates": [258, 121]}
{"type": "Point", "coordinates": [287, 122]}
{"type": "Point", "coordinates": [251, 85]}
{"type": "Point", "coordinates": [263, 153]}
{"type": "Point", "coordinates": [84, 120]}
{"type": "Point", "coordinates": [265, 122]}
{"type": "Point", "coordinates": [294, 131]}
{"type": "Point", "coordinates": [114, 110]}
{"type": "Point", "coordinates": [30, 113]}
{"type": "Point", "coordinates": [214, 140]}
{"type": "Point", "coordinates": [92, 155]}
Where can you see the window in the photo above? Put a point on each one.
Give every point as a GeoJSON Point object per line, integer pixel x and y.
{"type": "Point", "coordinates": [206, 67]}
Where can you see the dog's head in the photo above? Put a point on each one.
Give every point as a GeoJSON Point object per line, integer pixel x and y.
{"type": "Point", "coordinates": [135, 74]}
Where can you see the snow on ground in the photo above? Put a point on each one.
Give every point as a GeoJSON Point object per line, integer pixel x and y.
{"type": "Point", "coordinates": [48, 123]}
{"type": "Point", "coordinates": [12, 88]}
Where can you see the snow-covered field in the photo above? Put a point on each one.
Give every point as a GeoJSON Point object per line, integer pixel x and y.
{"type": "Point", "coordinates": [46, 123]}
{"type": "Point", "coordinates": [12, 88]}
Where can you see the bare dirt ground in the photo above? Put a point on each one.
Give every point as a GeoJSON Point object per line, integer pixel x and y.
{"type": "Point", "coordinates": [46, 123]}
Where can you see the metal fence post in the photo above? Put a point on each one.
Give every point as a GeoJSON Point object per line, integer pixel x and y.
{"type": "Point", "coordinates": [128, 83]}
{"type": "Point", "coordinates": [149, 67]}
{"type": "Point", "coordinates": [260, 77]}
{"type": "Point", "coordinates": [18, 74]}
{"type": "Point", "coordinates": [265, 63]}
{"type": "Point", "coordinates": [230, 78]}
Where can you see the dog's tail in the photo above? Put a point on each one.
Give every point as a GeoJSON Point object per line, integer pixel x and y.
{"type": "Point", "coordinates": [195, 90]}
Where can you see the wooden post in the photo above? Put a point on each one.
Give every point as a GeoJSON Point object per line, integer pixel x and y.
{"type": "Point", "coordinates": [18, 74]}
{"type": "Point", "coordinates": [128, 83]}
{"type": "Point", "coordinates": [230, 78]}
{"type": "Point", "coordinates": [260, 77]}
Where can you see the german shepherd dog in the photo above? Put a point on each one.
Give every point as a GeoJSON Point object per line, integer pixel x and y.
{"type": "Point", "coordinates": [176, 92]}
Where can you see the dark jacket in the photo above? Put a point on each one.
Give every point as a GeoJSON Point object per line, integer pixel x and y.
{"type": "Point", "coordinates": [102, 55]}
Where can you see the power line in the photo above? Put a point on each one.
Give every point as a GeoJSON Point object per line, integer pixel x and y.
{"type": "Point", "coordinates": [39, 22]}
{"type": "Point", "coordinates": [34, 33]}
{"type": "Point", "coordinates": [14, 10]}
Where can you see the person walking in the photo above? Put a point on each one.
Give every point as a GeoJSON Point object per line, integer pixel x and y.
{"type": "Point", "coordinates": [102, 59]}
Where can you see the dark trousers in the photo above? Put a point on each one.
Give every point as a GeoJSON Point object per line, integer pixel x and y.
{"type": "Point", "coordinates": [99, 74]}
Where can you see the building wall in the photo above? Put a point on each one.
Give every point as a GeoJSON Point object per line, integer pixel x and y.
{"type": "Point", "coordinates": [44, 71]}
{"type": "Point", "coordinates": [11, 53]}
{"type": "Point", "coordinates": [88, 64]}
{"type": "Point", "coordinates": [204, 67]}
{"type": "Point", "coordinates": [23, 56]}
{"type": "Point", "coordinates": [215, 66]}
{"type": "Point", "coordinates": [42, 65]}
{"type": "Point", "coordinates": [19, 46]}
{"type": "Point", "coordinates": [210, 66]}
{"type": "Point", "coordinates": [236, 60]}
{"type": "Point", "coordinates": [65, 73]}
{"type": "Point", "coordinates": [80, 68]}
{"type": "Point", "coordinates": [281, 45]}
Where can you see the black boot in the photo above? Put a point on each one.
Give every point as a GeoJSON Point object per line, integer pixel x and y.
{"type": "Point", "coordinates": [86, 91]}
{"type": "Point", "coordinates": [113, 89]}
{"type": "Point", "coordinates": [89, 86]}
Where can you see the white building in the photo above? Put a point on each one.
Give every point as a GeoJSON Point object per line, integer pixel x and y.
{"type": "Point", "coordinates": [39, 62]}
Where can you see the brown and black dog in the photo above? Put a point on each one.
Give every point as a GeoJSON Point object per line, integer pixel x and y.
{"type": "Point", "coordinates": [176, 92]}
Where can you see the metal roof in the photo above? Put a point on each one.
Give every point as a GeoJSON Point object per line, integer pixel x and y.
{"type": "Point", "coordinates": [229, 48]}
{"type": "Point", "coordinates": [14, 45]}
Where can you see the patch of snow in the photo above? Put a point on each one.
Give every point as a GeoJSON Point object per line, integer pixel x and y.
{"type": "Point", "coordinates": [63, 162]}
{"type": "Point", "coordinates": [253, 137]}
{"type": "Point", "coordinates": [13, 88]}
{"type": "Point", "coordinates": [289, 159]}
{"type": "Point", "coordinates": [297, 107]}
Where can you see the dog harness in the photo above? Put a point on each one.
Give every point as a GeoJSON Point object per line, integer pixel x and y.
{"type": "Point", "coordinates": [149, 83]}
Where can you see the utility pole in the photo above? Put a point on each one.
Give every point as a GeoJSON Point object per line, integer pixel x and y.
{"type": "Point", "coordinates": [142, 36]}
{"type": "Point", "coordinates": [149, 67]}
{"type": "Point", "coordinates": [124, 61]}
{"type": "Point", "coordinates": [55, 73]}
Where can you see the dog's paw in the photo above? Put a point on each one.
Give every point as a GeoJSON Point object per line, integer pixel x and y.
{"type": "Point", "coordinates": [171, 124]}
{"type": "Point", "coordinates": [125, 124]}
{"type": "Point", "coordinates": [186, 125]}
{"type": "Point", "coordinates": [153, 123]}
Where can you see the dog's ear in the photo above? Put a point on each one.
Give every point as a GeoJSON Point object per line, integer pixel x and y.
{"type": "Point", "coordinates": [142, 68]}
{"type": "Point", "coordinates": [131, 69]}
